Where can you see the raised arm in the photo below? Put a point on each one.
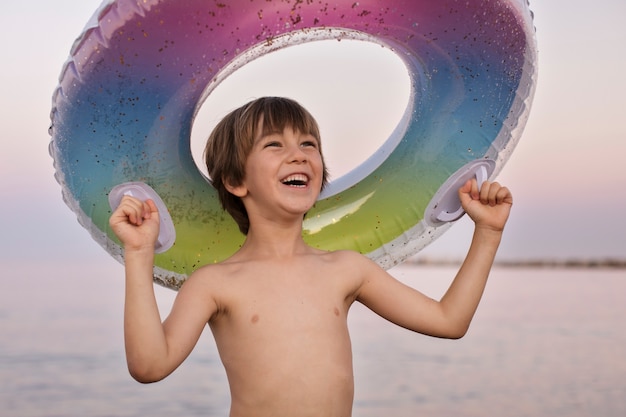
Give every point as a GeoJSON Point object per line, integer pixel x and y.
{"type": "Point", "coordinates": [153, 349]}
{"type": "Point", "coordinates": [489, 208]}
{"type": "Point", "coordinates": [451, 316]}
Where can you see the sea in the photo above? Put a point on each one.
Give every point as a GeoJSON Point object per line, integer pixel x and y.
{"type": "Point", "coordinates": [544, 342]}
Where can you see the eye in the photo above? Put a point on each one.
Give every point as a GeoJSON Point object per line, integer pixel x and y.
{"type": "Point", "coordinates": [309, 143]}
{"type": "Point", "coordinates": [272, 144]}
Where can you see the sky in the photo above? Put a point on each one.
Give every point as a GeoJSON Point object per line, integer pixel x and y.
{"type": "Point", "coordinates": [567, 173]}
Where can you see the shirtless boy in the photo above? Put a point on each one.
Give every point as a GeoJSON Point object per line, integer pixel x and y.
{"type": "Point", "coordinates": [278, 308]}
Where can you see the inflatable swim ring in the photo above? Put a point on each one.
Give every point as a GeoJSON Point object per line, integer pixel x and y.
{"type": "Point", "coordinates": [135, 78]}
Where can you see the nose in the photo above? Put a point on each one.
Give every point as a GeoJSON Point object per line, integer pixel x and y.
{"type": "Point", "coordinates": [297, 154]}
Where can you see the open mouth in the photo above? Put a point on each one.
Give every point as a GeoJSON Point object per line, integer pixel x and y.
{"type": "Point", "coordinates": [296, 180]}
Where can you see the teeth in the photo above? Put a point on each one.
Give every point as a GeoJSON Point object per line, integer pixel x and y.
{"type": "Point", "coordinates": [296, 179]}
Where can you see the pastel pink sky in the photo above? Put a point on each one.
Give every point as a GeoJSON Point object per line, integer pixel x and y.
{"type": "Point", "coordinates": [568, 172]}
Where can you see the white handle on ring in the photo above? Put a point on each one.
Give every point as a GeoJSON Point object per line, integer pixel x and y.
{"type": "Point", "coordinates": [481, 176]}
{"type": "Point", "coordinates": [445, 206]}
{"type": "Point", "coordinates": [142, 191]}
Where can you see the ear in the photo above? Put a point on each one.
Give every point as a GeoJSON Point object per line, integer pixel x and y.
{"type": "Point", "coordinates": [236, 190]}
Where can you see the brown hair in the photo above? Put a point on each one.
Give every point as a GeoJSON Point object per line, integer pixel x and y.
{"type": "Point", "coordinates": [231, 141]}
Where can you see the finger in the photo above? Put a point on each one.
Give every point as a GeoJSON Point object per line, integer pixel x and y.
{"type": "Point", "coordinates": [465, 192]}
{"type": "Point", "coordinates": [489, 192]}
{"type": "Point", "coordinates": [150, 209]}
{"type": "Point", "coordinates": [504, 196]}
{"type": "Point", "coordinates": [466, 188]}
{"type": "Point", "coordinates": [483, 195]}
{"type": "Point", "coordinates": [133, 213]}
{"type": "Point", "coordinates": [493, 193]}
{"type": "Point", "coordinates": [133, 209]}
{"type": "Point", "coordinates": [475, 193]}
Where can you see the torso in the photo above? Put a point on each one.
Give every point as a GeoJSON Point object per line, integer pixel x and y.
{"type": "Point", "coordinates": [281, 330]}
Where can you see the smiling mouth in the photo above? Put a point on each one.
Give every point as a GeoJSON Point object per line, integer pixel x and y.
{"type": "Point", "coordinates": [296, 180]}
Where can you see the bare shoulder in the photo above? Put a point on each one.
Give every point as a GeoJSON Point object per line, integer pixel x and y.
{"type": "Point", "coordinates": [357, 267]}
{"type": "Point", "coordinates": [213, 272]}
{"type": "Point", "coordinates": [205, 287]}
{"type": "Point", "coordinates": [212, 277]}
{"type": "Point", "coordinates": [347, 257]}
{"type": "Point", "coordinates": [375, 287]}
{"type": "Point", "coordinates": [347, 260]}
{"type": "Point", "coordinates": [357, 260]}
{"type": "Point", "coordinates": [205, 276]}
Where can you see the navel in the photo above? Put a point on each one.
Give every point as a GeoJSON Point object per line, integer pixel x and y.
{"type": "Point", "coordinates": [255, 318]}
{"type": "Point", "coordinates": [336, 312]}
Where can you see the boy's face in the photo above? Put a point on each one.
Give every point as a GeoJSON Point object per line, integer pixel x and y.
{"type": "Point", "coordinates": [283, 172]}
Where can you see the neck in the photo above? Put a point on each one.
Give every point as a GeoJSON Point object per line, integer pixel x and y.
{"type": "Point", "coordinates": [269, 240]}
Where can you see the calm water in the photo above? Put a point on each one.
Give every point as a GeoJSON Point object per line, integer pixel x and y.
{"type": "Point", "coordinates": [544, 343]}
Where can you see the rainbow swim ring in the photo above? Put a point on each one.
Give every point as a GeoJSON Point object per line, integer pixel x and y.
{"type": "Point", "coordinates": [135, 78]}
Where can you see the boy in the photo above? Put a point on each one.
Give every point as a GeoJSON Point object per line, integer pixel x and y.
{"type": "Point", "coordinates": [278, 308]}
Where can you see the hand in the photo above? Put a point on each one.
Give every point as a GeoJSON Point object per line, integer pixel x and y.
{"type": "Point", "coordinates": [136, 223]}
{"type": "Point", "coordinates": [489, 207]}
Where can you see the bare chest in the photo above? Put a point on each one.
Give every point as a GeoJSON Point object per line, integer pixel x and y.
{"type": "Point", "coordinates": [283, 302]}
